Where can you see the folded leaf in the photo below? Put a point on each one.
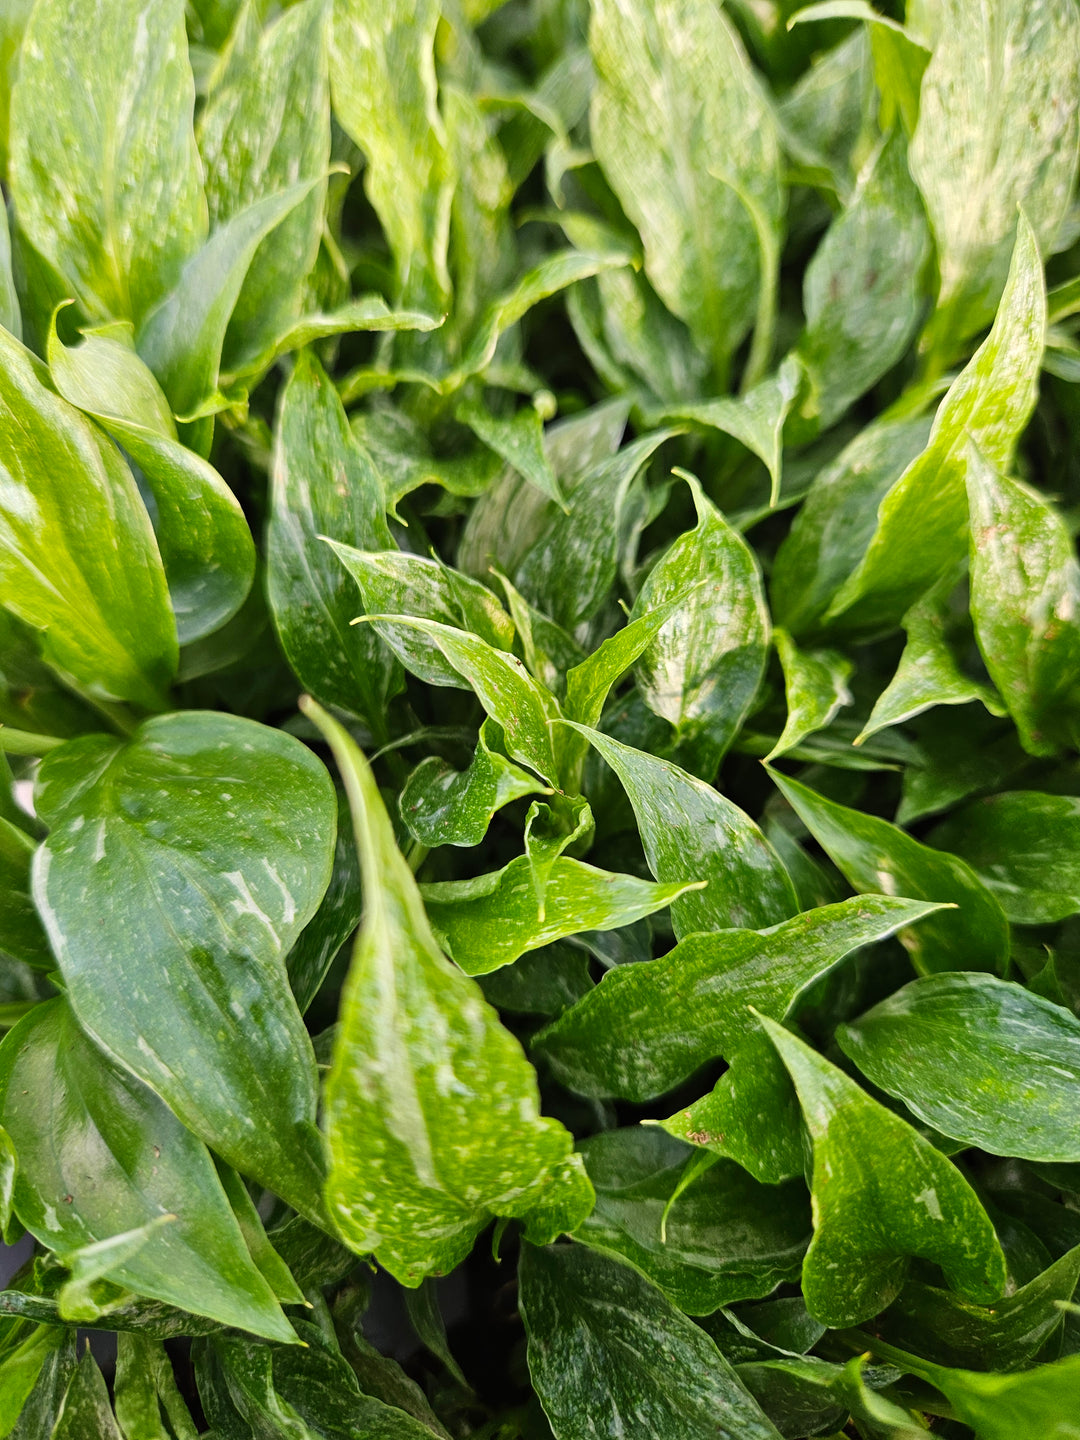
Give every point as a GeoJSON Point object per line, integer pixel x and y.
{"type": "Point", "coordinates": [147, 1396]}
{"type": "Point", "coordinates": [815, 687]}
{"type": "Point", "coordinates": [519, 440]}
{"type": "Point", "coordinates": [443, 806]}
{"type": "Point", "coordinates": [432, 1110]}
{"type": "Point", "coordinates": [881, 1194]}
{"type": "Point", "coordinates": [982, 1060]}
{"type": "Point", "coordinates": [180, 867]}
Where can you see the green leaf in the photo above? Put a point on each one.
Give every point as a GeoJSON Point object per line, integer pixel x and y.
{"type": "Point", "coordinates": [12, 24]}
{"type": "Point", "coordinates": [862, 291]}
{"type": "Point", "coordinates": [609, 1354]}
{"type": "Point", "coordinates": [33, 1364]}
{"type": "Point", "coordinates": [815, 687]}
{"type": "Point", "coordinates": [86, 1413]}
{"type": "Point", "coordinates": [393, 582]}
{"type": "Point", "coordinates": [206, 546]}
{"type": "Point", "coordinates": [922, 522]}
{"type": "Point", "coordinates": [335, 920]}
{"type": "Point", "coordinates": [717, 1238]}
{"type": "Point", "coordinates": [690, 833]}
{"type": "Point", "coordinates": [981, 1060]}
{"type": "Point", "coordinates": [382, 75]}
{"type": "Point", "coordinates": [22, 938]}
{"type": "Point", "coordinates": [104, 169]}
{"type": "Point", "coordinates": [648, 1026]}
{"type": "Point", "coordinates": [10, 318]}
{"type": "Point", "coordinates": [179, 869]}
{"type": "Point", "coordinates": [588, 684]}
{"type": "Point", "coordinates": [928, 673]}
{"type": "Point", "coordinates": [1025, 847]}
{"type": "Point", "coordinates": [443, 806]}
{"type": "Point", "coordinates": [145, 1387]}
{"type": "Point", "coordinates": [877, 857]}
{"type": "Point", "coordinates": [974, 164]}
{"type": "Point", "coordinates": [432, 1110]}
{"type": "Point", "coordinates": [702, 671]}
{"type": "Point", "coordinates": [1025, 589]}
{"type": "Point", "coordinates": [881, 1195]}
{"type": "Point", "coordinates": [682, 131]}
{"type": "Point", "coordinates": [39, 1414]}
{"type": "Point", "coordinates": [324, 483]}
{"type": "Point", "coordinates": [101, 1156]}
{"type": "Point", "coordinates": [488, 922]}
{"type": "Point", "coordinates": [78, 559]}
{"type": "Point", "coordinates": [366, 312]}
{"type": "Point", "coordinates": [266, 125]}
{"type": "Point", "coordinates": [519, 440]}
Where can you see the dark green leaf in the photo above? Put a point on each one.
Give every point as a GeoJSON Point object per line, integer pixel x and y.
{"type": "Point", "coordinates": [443, 806]}
{"type": "Point", "coordinates": [147, 1396]}
{"type": "Point", "coordinates": [22, 938]}
{"type": "Point", "coordinates": [86, 1413]}
{"type": "Point", "coordinates": [519, 440]}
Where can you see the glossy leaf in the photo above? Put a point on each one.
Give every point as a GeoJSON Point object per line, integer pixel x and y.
{"type": "Point", "coordinates": [519, 440]}
{"type": "Point", "coordinates": [877, 857]}
{"type": "Point", "coordinates": [101, 1156]}
{"type": "Point", "coordinates": [404, 1183]}
{"type": "Point", "coordinates": [881, 1194]}
{"type": "Point", "coordinates": [443, 806]}
{"type": "Point", "coordinates": [22, 938]}
{"type": "Point", "coordinates": [109, 625]}
{"type": "Point", "coordinates": [118, 242]}
{"type": "Point", "coordinates": [324, 483]}
{"type": "Point", "coordinates": [690, 833]}
{"type": "Point", "coordinates": [147, 1396]}
{"type": "Point", "coordinates": [86, 1410]}
{"type": "Point", "coordinates": [815, 686]}
{"type": "Point", "coordinates": [687, 142]}
{"type": "Point", "coordinates": [1025, 589]}
{"type": "Point", "coordinates": [645, 1027]}
{"type": "Point", "coordinates": [178, 852]}
{"type": "Point", "coordinates": [610, 1354]}
{"type": "Point", "coordinates": [980, 1059]}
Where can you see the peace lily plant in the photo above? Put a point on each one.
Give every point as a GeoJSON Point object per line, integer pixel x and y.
{"type": "Point", "coordinates": [539, 707]}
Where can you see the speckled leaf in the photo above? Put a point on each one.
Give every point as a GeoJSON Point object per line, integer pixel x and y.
{"type": "Point", "coordinates": [609, 1354]}
{"type": "Point", "coordinates": [691, 832]}
{"type": "Point", "coordinates": [100, 1155]}
{"type": "Point", "coordinates": [815, 688]}
{"type": "Point", "coordinates": [86, 1413]}
{"type": "Point", "coordinates": [206, 546]}
{"type": "Point", "coordinates": [519, 440]}
{"type": "Point", "coordinates": [394, 582]}
{"type": "Point", "coordinates": [922, 522]}
{"type": "Point", "coordinates": [878, 857]}
{"type": "Point", "coordinates": [973, 162]}
{"type": "Point", "coordinates": [179, 868]}
{"type": "Point", "coordinates": [862, 292]}
{"type": "Point", "coordinates": [720, 1237]}
{"type": "Point", "coordinates": [444, 806]}
{"type": "Point", "coordinates": [324, 483]}
{"type": "Point", "coordinates": [488, 922]}
{"type": "Point", "coordinates": [366, 312]}
{"type": "Point", "coordinates": [147, 1395]}
{"type": "Point", "coordinates": [881, 1195]}
{"type": "Point", "coordinates": [588, 684]}
{"type": "Point", "coordinates": [981, 1060]}
{"type": "Point", "coordinates": [648, 1026]}
{"type": "Point", "coordinates": [265, 125]}
{"type": "Point", "coordinates": [432, 1110]}
{"type": "Point", "coordinates": [104, 169]}
{"type": "Point", "coordinates": [1025, 601]}
{"type": "Point", "coordinates": [683, 132]}
{"type": "Point", "coordinates": [69, 512]}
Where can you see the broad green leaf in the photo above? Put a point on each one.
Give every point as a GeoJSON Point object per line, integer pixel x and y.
{"type": "Point", "coordinates": [99, 1155]}
{"type": "Point", "coordinates": [862, 291]}
{"type": "Point", "coordinates": [877, 857]}
{"type": "Point", "coordinates": [702, 671]}
{"type": "Point", "coordinates": [981, 1060]}
{"type": "Point", "coordinates": [31, 1363]}
{"type": "Point", "coordinates": [542, 983]}
{"type": "Point", "coordinates": [265, 126]}
{"type": "Point", "coordinates": [443, 806]}
{"type": "Point", "coordinates": [609, 1354]}
{"type": "Point", "coordinates": [206, 546]}
{"type": "Point", "coordinates": [181, 339]}
{"type": "Point", "coordinates": [1025, 847]}
{"type": "Point", "coordinates": [382, 75]}
{"type": "Point", "coordinates": [690, 833]}
{"type": "Point", "coordinates": [682, 131]}
{"type": "Point", "coordinates": [922, 522]}
{"type": "Point", "coordinates": [928, 673]}
{"type": "Point", "coordinates": [961, 753]}
{"type": "Point", "coordinates": [815, 687]}
{"type": "Point", "coordinates": [432, 1110]}
{"type": "Point", "coordinates": [648, 1026]}
{"type": "Point", "coordinates": [104, 169]}
{"type": "Point", "coordinates": [21, 937]}
{"type": "Point", "coordinates": [78, 559]}
{"type": "Point", "coordinates": [488, 922]}
{"type": "Point", "coordinates": [824, 117]}
{"type": "Point", "coordinates": [145, 1387]}
{"type": "Point", "coordinates": [393, 582]}
{"type": "Point", "coordinates": [180, 867]}
{"type": "Point", "coordinates": [973, 162]}
{"type": "Point", "coordinates": [997, 1337]}
{"type": "Point", "coordinates": [835, 523]}
{"type": "Point", "coordinates": [519, 440]}
{"type": "Point", "coordinates": [87, 1412]}
{"type": "Point", "coordinates": [10, 318]}
{"type": "Point", "coordinates": [718, 1238]}
{"type": "Point", "coordinates": [324, 483]}
{"type": "Point", "coordinates": [881, 1194]}
{"type": "Point", "coordinates": [1025, 589]}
